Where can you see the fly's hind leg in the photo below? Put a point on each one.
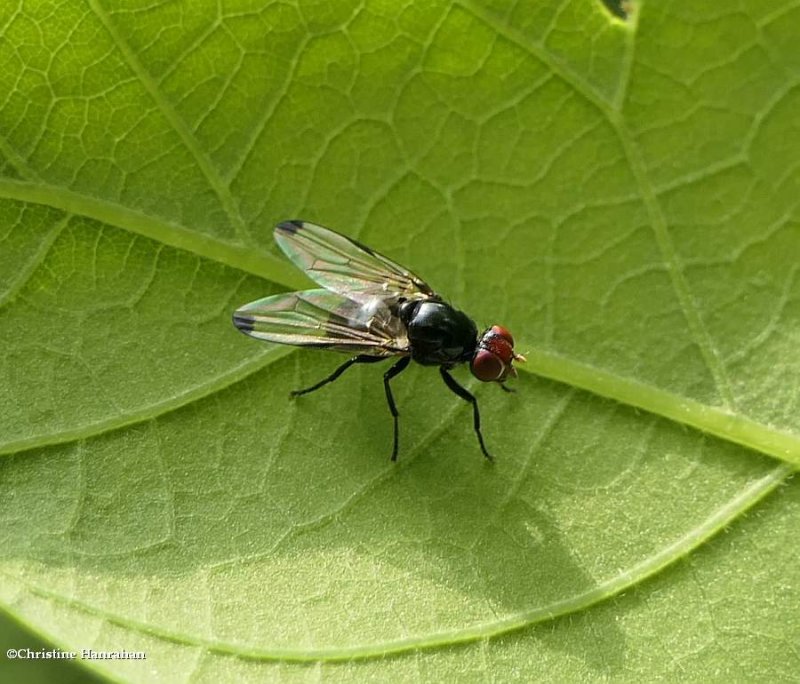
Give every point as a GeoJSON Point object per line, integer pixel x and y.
{"type": "Point", "coordinates": [398, 368]}
{"type": "Point", "coordinates": [361, 358]}
{"type": "Point", "coordinates": [450, 381]}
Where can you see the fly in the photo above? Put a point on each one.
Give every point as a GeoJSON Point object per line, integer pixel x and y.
{"type": "Point", "coordinates": [374, 309]}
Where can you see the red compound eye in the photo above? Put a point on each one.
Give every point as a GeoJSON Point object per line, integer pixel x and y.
{"type": "Point", "coordinates": [500, 331]}
{"type": "Point", "coordinates": [495, 356]}
{"type": "Point", "coordinates": [487, 366]}
{"type": "Point", "coordinates": [498, 341]}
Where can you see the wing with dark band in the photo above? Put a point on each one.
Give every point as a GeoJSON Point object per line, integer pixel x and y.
{"type": "Point", "coordinates": [345, 266]}
{"type": "Point", "coordinates": [323, 319]}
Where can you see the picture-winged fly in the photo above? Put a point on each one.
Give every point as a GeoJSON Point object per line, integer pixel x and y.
{"type": "Point", "coordinates": [375, 309]}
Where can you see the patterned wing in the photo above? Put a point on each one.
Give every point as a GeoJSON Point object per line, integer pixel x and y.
{"type": "Point", "coordinates": [345, 266]}
{"type": "Point", "coordinates": [323, 319]}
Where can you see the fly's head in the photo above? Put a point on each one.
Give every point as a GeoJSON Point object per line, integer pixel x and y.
{"type": "Point", "coordinates": [493, 358]}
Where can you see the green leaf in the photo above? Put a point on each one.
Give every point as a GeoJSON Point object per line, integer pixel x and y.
{"type": "Point", "coordinates": [622, 196]}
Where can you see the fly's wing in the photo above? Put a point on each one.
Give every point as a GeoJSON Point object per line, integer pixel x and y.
{"type": "Point", "coordinates": [318, 318]}
{"type": "Point", "coordinates": [345, 266]}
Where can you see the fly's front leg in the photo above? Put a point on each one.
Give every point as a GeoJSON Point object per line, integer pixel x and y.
{"type": "Point", "coordinates": [362, 358]}
{"type": "Point", "coordinates": [398, 368]}
{"type": "Point", "coordinates": [450, 381]}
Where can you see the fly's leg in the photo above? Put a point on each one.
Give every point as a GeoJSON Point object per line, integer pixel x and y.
{"type": "Point", "coordinates": [449, 380]}
{"type": "Point", "coordinates": [398, 368]}
{"type": "Point", "coordinates": [362, 358]}
{"type": "Point", "coordinates": [508, 389]}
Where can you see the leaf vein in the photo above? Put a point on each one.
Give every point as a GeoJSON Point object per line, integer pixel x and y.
{"type": "Point", "coordinates": [604, 590]}
{"type": "Point", "coordinates": [214, 179]}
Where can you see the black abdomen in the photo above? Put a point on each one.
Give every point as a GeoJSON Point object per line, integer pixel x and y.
{"type": "Point", "coordinates": [439, 334]}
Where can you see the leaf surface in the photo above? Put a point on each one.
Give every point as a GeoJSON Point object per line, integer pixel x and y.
{"type": "Point", "coordinates": [621, 196]}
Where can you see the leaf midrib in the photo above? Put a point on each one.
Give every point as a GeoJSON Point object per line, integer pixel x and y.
{"type": "Point", "coordinates": [727, 425]}
{"type": "Point", "coordinates": [236, 255]}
